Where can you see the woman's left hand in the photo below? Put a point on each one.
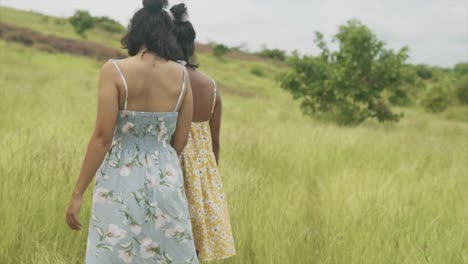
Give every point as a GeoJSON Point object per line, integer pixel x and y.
{"type": "Point", "coordinates": [73, 211]}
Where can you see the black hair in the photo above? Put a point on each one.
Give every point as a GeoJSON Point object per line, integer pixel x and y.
{"type": "Point", "coordinates": [185, 33]}
{"type": "Point", "coordinates": [151, 28]}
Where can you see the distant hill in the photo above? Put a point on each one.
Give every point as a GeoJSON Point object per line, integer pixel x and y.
{"type": "Point", "coordinates": [55, 34]}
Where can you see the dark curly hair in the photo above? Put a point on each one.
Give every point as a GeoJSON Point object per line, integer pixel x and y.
{"type": "Point", "coordinates": [185, 33]}
{"type": "Point", "coordinates": [151, 28]}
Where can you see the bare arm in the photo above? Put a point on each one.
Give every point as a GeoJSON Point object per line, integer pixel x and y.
{"type": "Point", "coordinates": [215, 125]}
{"type": "Point", "coordinates": [100, 141]}
{"type": "Point", "coordinates": [180, 139]}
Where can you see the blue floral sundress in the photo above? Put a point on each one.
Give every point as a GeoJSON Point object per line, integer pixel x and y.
{"type": "Point", "coordinates": [140, 212]}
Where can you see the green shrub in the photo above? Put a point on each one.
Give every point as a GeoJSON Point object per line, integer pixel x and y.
{"type": "Point", "coordinates": [423, 71]}
{"type": "Point", "coordinates": [257, 70]}
{"type": "Point", "coordinates": [82, 21]}
{"type": "Point", "coordinates": [220, 50]}
{"type": "Point", "coordinates": [275, 54]}
{"type": "Point", "coordinates": [406, 93]}
{"type": "Point", "coordinates": [436, 100]}
{"type": "Point", "coordinates": [462, 90]}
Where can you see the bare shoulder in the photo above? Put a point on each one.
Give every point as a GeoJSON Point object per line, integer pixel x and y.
{"type": "Point", "coordinates": [111, 65]}
{"type": "Point", "coordinates": [206, 78]}
{"type": "Point", "coordinates": [118, 61]}
{"type": "Point", "coordinates": [174, 69]}
{"type": "Point", "coordinates": [108, 69]}
{"type": "Point", "coordinates": [210, 82]}
{"type": "Point", "coordinates": [175, 65]}
{"type": "Point", "coordinates": [200, 78]}
{"type": "Point", "coordinates": [107, 65]}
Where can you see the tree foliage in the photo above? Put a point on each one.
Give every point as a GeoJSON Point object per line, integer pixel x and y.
{"type": "Point", "coordinates": [275, 54]}
{"type": "Point", "coordinates": [220, 50]}
{"type": "Point", "coordinates": [423, 71]}
{"type": "Point", "coordinates": [407, 93]}
{"type": "Point", "coordinates": [82, 21]}
{"type": "Point", "coordinates": [348, 85]}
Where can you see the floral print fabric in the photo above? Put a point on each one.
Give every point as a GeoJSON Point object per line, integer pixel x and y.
{"type": "Point", "coordinates": [140, 212]}
{"type": "Point", "coordinates": [207, 201]}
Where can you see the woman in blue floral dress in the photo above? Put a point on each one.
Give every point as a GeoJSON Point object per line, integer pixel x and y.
{"type": "Point", "coordinates": [139, 212]}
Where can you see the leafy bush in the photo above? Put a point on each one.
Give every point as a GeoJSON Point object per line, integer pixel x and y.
{"type": "Point", "coordinates": [406, 93]}
{"type": "Point", "coordinates": [461, 69]}
{"type": "Point", "coordinates": [440, 74]}
{"type": "Point", "coordinates": [423, 71]}
{"type": "Point", "coordinates": [276, 54]}
{"type": "Point", "coordinates": [462, 90]}
{"type": "Point", "coordinates": [437, 99]}
{"type": "Point", "coordinates": [257, 70]}
{"type": "Point", "coordinates": [109, 25]}
{"type": "Point", "coordinates": [348, 84]}
{"type": "Point", "coordinates": [82, 21]}
{"type": "Point", "coordinates": [220, 50]}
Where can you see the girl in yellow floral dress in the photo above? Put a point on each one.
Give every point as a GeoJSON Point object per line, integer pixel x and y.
{"type": "Point", "coordinates": [207, 201]}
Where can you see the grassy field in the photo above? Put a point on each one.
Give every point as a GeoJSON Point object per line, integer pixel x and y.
{"type": "Point", "coordinates": [299, 190]}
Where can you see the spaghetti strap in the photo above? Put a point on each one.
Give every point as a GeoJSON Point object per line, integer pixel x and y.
{"type": "Point", "coordinates": [214, 99]}
{"type": "Point", "coordinates": [123, 80]}
{"type": "Point", "coordinates": [182, 91]}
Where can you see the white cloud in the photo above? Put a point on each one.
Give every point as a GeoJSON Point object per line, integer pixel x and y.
{"type": "Point", "coordinates": [435, 30]}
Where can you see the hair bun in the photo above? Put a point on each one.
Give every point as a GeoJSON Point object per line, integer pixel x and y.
{"type": "Point", "coordinates": [155, 5]}
{"type": "Point", "coordinates": [179, 11]}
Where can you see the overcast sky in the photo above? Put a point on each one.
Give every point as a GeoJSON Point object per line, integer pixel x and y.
{"type": "Point", "coordinates": [435, 30]}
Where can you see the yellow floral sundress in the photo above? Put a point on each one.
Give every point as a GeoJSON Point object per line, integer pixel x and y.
{"type": "Point", "coordinates": [207, 202]}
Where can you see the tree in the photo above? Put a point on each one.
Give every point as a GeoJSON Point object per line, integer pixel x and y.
{"type": "Point", "coordinates": [275, 54]}
{"type": "Point", "coordinates": [423, 71]}
{"type": "Point", "coordinates": [82, 21]}
{"type": "Point", "coordinates": [220, 50]}
{"type": "Point", "coordinates": [407, 93]}
{"type": "Point", "coordinates": [348, 85]}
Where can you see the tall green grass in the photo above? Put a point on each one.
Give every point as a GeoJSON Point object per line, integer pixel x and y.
{"type": "Point", "coordinates": [300, 191]}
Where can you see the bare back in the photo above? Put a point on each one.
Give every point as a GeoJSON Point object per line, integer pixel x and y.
{"type": "Point", "coordinates": [150, 84]}
{"type": "Point", "coordinates": [154, 84]}
{"type": "Point", "coordinates": [203, 88]}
